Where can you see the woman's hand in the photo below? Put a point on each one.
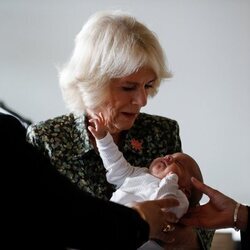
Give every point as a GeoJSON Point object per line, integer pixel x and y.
{"type": "Point", "coordinates": [164, 227]}
{"type": "Point", "coordinates": [160, 222]}
{"type": "Point", "coordinates": [182, 237]}
{"type": "Point", "coordinates": [217, 213]}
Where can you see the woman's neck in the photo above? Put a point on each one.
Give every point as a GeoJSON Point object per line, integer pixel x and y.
{"type": "Point", "coordinates": [116, 138]}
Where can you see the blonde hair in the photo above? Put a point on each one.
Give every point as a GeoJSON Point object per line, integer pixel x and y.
{"type": "Point", "coordinates": [112, 44]}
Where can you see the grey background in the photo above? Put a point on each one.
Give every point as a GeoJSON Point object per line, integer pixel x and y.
{"type": "Point", "coordinates": [207, 43]}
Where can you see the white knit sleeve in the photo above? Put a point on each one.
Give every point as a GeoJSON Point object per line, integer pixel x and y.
{"type": "Point", "coordinates": [118, 169]}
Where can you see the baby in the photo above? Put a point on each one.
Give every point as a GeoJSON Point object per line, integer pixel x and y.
{"type": "Point", "coordinates": [166, 176]}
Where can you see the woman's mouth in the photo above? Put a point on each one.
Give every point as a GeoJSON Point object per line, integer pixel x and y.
{"type": "Point", "coordinates": [130, 115]}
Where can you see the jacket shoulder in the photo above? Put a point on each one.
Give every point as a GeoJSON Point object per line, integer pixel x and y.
{"type": "Point", "coordinates": [151, 121]}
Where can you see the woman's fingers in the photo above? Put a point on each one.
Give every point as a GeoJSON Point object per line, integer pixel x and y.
{"type": "Point", "coordinates": [167, 203]}
{"type": "Point", "coordinates": [210, 192]}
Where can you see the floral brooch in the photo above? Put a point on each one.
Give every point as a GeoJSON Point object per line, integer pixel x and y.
{"type": "Point", "coordinates": [136, 145]}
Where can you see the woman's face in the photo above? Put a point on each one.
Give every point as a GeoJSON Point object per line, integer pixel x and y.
{"type": "Point", "coordinates": [127, 96]}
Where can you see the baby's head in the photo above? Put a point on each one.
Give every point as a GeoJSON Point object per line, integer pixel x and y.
{"type": "Point", "coordinates": [185, 167]}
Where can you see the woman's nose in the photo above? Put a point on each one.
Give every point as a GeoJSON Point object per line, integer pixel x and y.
{"type": "Point", "coordinates": [140, 98]}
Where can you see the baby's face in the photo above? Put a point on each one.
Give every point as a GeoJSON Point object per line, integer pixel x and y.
{"type": "Point", "coordinates": [177, 163]}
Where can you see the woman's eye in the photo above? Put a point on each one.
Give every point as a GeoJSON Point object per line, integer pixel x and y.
{"type": "Point", "coordinates": [148, 86]}
{"type": "Point", "coordinates": [134, 87]}
{"type": "Point", "coordinates": [128, 88]}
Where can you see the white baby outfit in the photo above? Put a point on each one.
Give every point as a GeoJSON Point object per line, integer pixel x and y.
{"type": "Point", "coordinates": [136, 184]}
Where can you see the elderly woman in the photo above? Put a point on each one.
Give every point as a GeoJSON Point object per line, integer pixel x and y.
{"type": "Point", "coordinates": [117, 63]}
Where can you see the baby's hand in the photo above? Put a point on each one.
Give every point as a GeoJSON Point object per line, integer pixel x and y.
{"type": "Point", "coordinates": [97, 126]}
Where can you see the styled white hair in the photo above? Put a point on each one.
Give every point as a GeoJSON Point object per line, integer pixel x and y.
{"type": "Point", "coordinates": [111, 44]}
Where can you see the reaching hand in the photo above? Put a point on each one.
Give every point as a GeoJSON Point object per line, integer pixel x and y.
{"type": "Point", "coordinates": [97, 126]}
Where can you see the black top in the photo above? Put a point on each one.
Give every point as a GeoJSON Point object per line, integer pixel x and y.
{"type": "Point", "coordinates": [245, 236]}
{"type": "Point", "coordinates": [41, 209]}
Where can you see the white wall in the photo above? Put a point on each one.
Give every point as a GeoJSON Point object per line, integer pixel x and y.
{"type": "Point", "coordinates": [208, 47]}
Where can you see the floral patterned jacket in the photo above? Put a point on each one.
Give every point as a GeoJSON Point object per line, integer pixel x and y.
{"type": "Point", "coordinates": [66, 142]}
